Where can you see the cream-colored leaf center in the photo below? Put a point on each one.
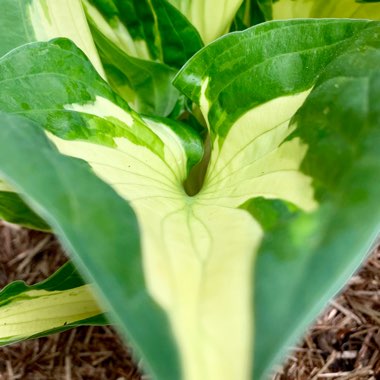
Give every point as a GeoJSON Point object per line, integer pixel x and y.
{"type": "Point", "coordinates": [199, 252]}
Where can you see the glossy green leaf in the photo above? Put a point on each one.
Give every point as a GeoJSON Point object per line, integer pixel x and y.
{"type": "Point", "coordinates": [142, 44]}
{"type": "Point", "coordinates": [61, 302]}
{"type": "Point", "coordinates": [81, 105]}
{"type": "Point", "coordinates": [289, 65]}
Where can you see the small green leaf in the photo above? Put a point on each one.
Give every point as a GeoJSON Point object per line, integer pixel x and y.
{"type": "Point", "coordinates": [211, 18]}
{"type": "Point", "coordinates": [252, 12]}
{"type": "Point", "coordinates": [61, 302]}
{"type": "Point", "coordinates": [14, 210]}
{"type": "Point", "coordinates": [41, 20]}
{"type": "Point", "coordinates": [144, 84]}
{"type": "Point", "coordinates": [142, 45]}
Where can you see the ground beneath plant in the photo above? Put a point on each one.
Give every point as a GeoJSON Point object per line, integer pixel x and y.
{"type": "Point", "coordinates": [343, 344]}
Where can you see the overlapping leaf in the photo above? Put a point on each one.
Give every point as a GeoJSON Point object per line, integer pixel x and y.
{"type": "Point", "coordinates": [14, 210]}
{"type": "Point", "coordinates": [252, 12]}
{"type": "Point", "coordinates": [59, 303]}
{"type": "Point", "coordinates": [40, 20]}
{"type": "Point", "coordinates": [305, 257]}
{"type": "Point", "coordinates": [22, 22]}
{"type": "Point", "coordinates": [210, 17]}
{"type": "Point", "coordinates": [127, 150]}
{"type": "Point", "coordinates": [142, 45]}
{"type": "Point", "coordinates": [92, 222]}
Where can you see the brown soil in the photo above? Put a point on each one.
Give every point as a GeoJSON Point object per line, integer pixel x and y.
{"type": "Point", "coordinates": [343, 344]}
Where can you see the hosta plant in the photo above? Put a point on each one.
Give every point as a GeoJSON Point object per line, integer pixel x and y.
{"type": "Point", "coordinates": [211, 167]}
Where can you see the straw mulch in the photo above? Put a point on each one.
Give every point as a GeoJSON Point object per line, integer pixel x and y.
{"type": "Point", "coordinates": [344, 343]}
